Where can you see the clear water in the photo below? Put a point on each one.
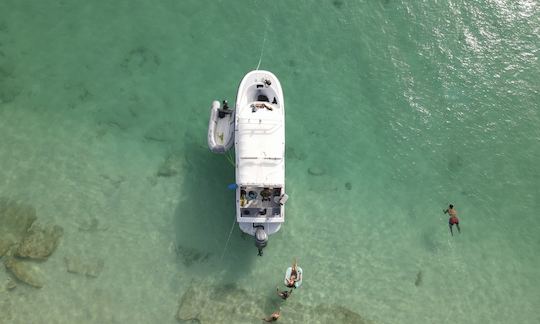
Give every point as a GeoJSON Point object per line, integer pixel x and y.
{"type": "Point", "coordinates": [405, 106]}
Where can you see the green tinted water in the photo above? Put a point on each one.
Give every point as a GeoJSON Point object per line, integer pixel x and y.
{"type": "Point", "coordinates": [404, 106]}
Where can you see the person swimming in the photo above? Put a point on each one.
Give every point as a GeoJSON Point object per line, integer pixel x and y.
{"type": "Point", "coordinates": [274, 317]}
{"type": "Point", "coordinates": [284, 294]}
{"type": "Point", "coordinates": [453, 220]}
{"type": "Point", "coordinates": [291, 281]}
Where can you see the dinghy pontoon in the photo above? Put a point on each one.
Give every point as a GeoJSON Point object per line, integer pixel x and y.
{"type": "Point", "coordinates": [220, 127]}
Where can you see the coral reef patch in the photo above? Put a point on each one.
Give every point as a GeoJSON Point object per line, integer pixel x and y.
{"type": "Point", "coordinates": [16, 218]}
{"type": "Point", "coordinates": [90, 267]}
{"type": "Point", "coordinates": [419, 278]}
{"type": "Point", "coordinates": [23, 240]}
{"type": "Point", "coordinates": [172, 165]}
{"type": "Point", "coordinates": [228, 303]}
{"type": "Point", "coordinates": [40, 242]}
{"type": "Point", "coordinates": [190, 255]}
{"type": "Point", "coordinates": [140, 58]}
{"type": "Point", "coordinates": [27, 272]}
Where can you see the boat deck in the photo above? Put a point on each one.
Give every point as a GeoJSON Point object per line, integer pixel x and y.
{"type": "Point", "coordinates": [260, 202]}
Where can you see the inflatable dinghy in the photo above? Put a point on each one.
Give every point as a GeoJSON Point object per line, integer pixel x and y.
{"type": "Point", "coordinates": [220, 128]}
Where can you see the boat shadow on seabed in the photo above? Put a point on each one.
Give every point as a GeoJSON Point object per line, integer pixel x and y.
{"type": "Point", "coordinates": [205, 214]}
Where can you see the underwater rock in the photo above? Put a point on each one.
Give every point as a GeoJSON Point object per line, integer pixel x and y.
{"type": "Point", "coordinates": [141, 58]}
{"type": "Point", "coordinates": [338, 314]}
{"type": "Point", "coordinates": [9, 91]}
{"type": "Point", "coordinates": [455, 163]}
{"type": "Point", "coordinates": [205, 304]}
{"type": "Point", "coordinates": [189, 255]}
{"type": "Point", "coordinates": [172, 165]}
{"type": "Point", "coordinates": [294, 154]}
{"type": "Point", "coordinates": [4, 246]}
{"type": "Point", "coordinates": [163, 132]}
{"type": "Point", "coordinates": [15, 218]}
{"type": "Point", "coordinates": [418, 280]}
{"type": "Point", "coordinates": [91, 225]}
{"type": "Point", "coordinates": [90, 267]}
{"type": "Point", "coordinates": [11, 284]}
{"type": "Point", "coordinates": [40, 242]}
{"type": "Point", "coordinates": [186, 311]}
{"type": "Point", "coordinates": [316, 171]}
{"type": "Point", "coordinates": [348, 186]}
{"type": "Point", "coordinates": [116, 181]}
{"type": "Point", "coordinates": [227, 303]}
{"type": "Point", "coordinates": [26, 272]}
{"type": "Point", "coordinates": [338, 4]}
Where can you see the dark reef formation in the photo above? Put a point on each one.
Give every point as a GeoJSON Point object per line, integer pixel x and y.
{"type": "Point", "coordinates": [23, 240]}
{"type": "Point", "coordinates": [202, 303]}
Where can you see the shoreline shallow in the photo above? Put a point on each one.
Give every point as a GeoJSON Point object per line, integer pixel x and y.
{"type": "Point", "coordinates": [103, 116]}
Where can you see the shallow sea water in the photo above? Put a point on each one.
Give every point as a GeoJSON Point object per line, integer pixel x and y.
{"type": "Point", "coordinates": [402, 106]}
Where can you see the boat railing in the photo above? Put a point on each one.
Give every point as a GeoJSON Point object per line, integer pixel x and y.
{"type": "Point", "coordinates": [277, 158]}
{"type": "Point", "coordinates": [254, 126]}
{"type": "Point", "coordinates": [260, 121]}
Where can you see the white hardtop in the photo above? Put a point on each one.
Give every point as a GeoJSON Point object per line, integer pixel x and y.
{"type": "Point", "coordinates": [260, 131]}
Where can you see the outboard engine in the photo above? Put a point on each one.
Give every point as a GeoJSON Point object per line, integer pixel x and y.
{"type": "Point", "coordinates": [261, 239]}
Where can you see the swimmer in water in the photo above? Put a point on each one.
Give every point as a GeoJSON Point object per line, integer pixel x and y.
{"type": "Point", "coordinates": [453, 220]}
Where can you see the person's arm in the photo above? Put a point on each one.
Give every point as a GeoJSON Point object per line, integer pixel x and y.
{"type": "Point", "coordinates": [445, 211]}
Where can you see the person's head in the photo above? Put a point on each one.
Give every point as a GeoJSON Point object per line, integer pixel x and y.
{"type": "Point", "coordinates": [450, 206]}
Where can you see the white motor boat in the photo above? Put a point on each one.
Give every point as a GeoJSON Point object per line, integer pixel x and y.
{"type": "Point", "coordinates": [259, 141]}
{"type": "Point", "coordinates": [220, 127]}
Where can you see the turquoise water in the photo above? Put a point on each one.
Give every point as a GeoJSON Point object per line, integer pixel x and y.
{"type": "Point", "coordinates": [404, 106]}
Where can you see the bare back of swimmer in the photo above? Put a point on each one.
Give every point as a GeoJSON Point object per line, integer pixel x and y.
{"type": "Point", "coordinates": [453, 220]}
{"type": "Point", "coordinates": [274, 317]}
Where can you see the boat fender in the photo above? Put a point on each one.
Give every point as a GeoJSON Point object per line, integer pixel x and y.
{"type": "Point", "coordinates": [283, 199]}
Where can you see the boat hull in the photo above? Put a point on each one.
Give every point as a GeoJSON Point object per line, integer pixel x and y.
{"type": "Point", "coordinates": [260, 153]}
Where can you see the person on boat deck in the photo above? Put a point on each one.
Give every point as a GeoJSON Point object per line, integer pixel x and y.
{"type": "Point", "coordinates": [222, 112]}
{"type": "Point", "coordinates": [284, 294]}
{"type": "Point", "coordinates": [453, 220]}
{"type": "Point", "coordinates": [266, 193]}
{"type": "Point", "coordinates": [261, 105]}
